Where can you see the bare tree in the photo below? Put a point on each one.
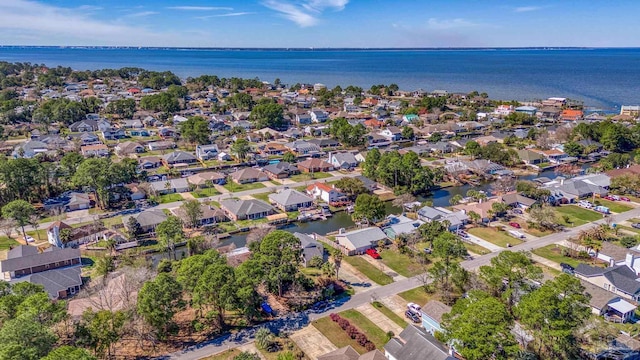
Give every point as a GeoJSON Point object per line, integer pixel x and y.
{"type": "Point", "coordinates": [33, 221]}
{"type": "Point", "coordinates": [7, 226]}
{"type": "Point", "coordinates": [258, 233]}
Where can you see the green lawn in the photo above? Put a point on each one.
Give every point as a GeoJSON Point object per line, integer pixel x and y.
{"type": "Point", "coordinates": [225, 355]}
{"type": "Point", "coordinates": [336, 335]}
{"type": "Point", "coordinates": [376, 275]}
{"type": "Point", "coordinates": [417, 295]}
{"type": "Point", "coordinates": [307, 176]}
{"type": "Point", "coordinates": [116, 220]}
{"type": "Point", "coordinates": [206, 192]}
{"type": "Point", "coordinates": [553, 252]}
{"type": "Point", "coordinates": [614, 206]}
{"type": "Point", "coordinates": [169, 198]}
{"type": "Point", "coordinates": [577, 215]}
{"type": "Point", "coordinates": [262, 196]}
{"type": "Point", "coordinates": [476, 249]}
{"type": "Point", "coordinates": [390, 314]}
{"type": "Point", "coordinates": [374, 333]}
{"type": "Point", "coordinates": [401, 263]}
{"type": "Point", "coordinates": [233, 187]}
{"type": "Point", "coordinates": [628, 228]}
{"type": "Point", "coordinates": [500, 238]}
{"type": "Point", "coordinates": [6, 243]}
{"type": "Point", "coordinates": [526, 228]}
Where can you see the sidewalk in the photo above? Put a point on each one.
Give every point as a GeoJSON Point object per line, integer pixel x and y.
{"type": "Point", "coordinates": [546, 262]}
{"type": "Point", "coordinates": [484, 243]}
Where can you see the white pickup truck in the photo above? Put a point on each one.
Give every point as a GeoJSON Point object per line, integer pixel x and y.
{"type": "Point", "coordinates": [516, 234]}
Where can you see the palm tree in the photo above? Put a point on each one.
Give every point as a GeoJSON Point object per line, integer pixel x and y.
{"type": "Point", "coordinates": [474, 216]}
{"type": "Point", "coordinates": [337, 260]}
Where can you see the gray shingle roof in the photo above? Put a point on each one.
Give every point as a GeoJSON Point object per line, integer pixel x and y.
{"type": "Point", "coordinates": [245, 207]}
{"type": "Point", "coordinates": [621, 276]}
{"type": "Point", "coordinates": [56, 280]}
{"type": "Point", "coordinates": [289, 197]}
{"type": "Point", "coordinates": [25, 256]}
{"type": "Point", "coordinates": [364, 237]}
{"type": "Point", "coordinates": [147, 218]}
{"type": "Point", "coordinates": [418, 344]}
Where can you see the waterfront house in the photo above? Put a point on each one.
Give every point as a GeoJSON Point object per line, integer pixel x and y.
{"type": "Point", "coordinates": [529, 110]}
{"type": "Point", "coordinates": [630, 110]}
{"type": "Point", "coordinates": [209, 214]}
{"type": "Point", "coordinates": [516, 200]}
{"type": "Point", "coordinates": [530, 157]}
{"type": "Point", "coordinates": [179, 157]}
{"type": "Point", "coordinates": [148, 219]}
{"type": "Point", "coordinates": [76, 236]}
{"type": "Point", "coordinates": [604, 303]}
{"type": "Point", "coordinates": [207, 152]}
{"type": "Point", "coordinates": [238, 209]}
{"type": "Point", "coordinates": [206, 179]}
{"type": "Point", "coordinates": [248, 175]}
{"type": "Point", "coordinates": [432, 313]}
{"type": "Point", "coordinates": [396, 225]}
{"type": "Point", "coordinates": [415, 343]}
{"type": "Point", "coordinates": [571, 115]}
{"type": "Point", "coordinates": [98, 150]}
{"type": "Point", "coordinates": [456, 219]}
{"type": "Point", "coordinates": [358, 241]}
{"type": "Point", "coordinates": [58, 270]}
{"type": "Point", "coordinates": [310, 248]}
{"type": "Point", "coordinates": [550, 113]}
{"type": "Point", "coordinates": [280, 170]}
{"type": "Point", "coordinates": [314, 165]}
{"type": "Point", "coordinates": [290, 200]}
{"type": "Point", "coordinates": [343, 160]}
{"type": "Point", "coordinates": [620, 279]}
{"type": "Point", "coordinates": [327, 193]}
{"type": "Point", "coordinates": [128, 147]}
{"type": "Point", "coordinates": [552, 155]}
{"type": "Point", "coordinates": [484, 208]}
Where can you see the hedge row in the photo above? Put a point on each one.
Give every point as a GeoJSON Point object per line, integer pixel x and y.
{"type": "Point", "coordinates": [352, 331]}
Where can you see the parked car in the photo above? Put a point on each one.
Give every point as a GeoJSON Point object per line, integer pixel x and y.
{"type": "Point", "coordinates": [373, 253]}
{"type": "Point", "coordinates": [413, 317]}
{"type": "Point", "coordinates": [624, 198]}
{"type": "Point", "coordinates": [567, 268]}
{"type": "Point", "coordinates": [427, 250]}
{"type": "Point", "coordinates": [610, 198]}
{"type": "Point", "coordinates": [515, 225]}
{"type": "Point", "coordinates": [462, 234]}
{"type": "Point", "coordinates": [517, 211]}
{"type": "Point", "coordinates": [414, 307]}
{"type": "Point", "coordinates": [635, 225]}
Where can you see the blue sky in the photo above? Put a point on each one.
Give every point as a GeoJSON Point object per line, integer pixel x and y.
{"type": "Point", "coordinates": [320, 23]}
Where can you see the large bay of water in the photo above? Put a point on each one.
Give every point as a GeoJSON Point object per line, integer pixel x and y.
{"type": "Point", "coordinates": [604, 78]}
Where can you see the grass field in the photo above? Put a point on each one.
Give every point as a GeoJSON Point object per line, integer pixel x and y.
{"type": "Point", "coordinates": [615, 206]}
{"type": "Point", "coordinates": [6, 243]}
{"type": "Point", "coordinates": [628, 228]}
{"type": "Point", "coordinates": [476, 249]}
{"type": "Point", "coordinates": [308, 176]}
{"type": "Point", "coordinates": [390, 314]}
{"type": "Point", "coordinates": [262, 196]}
{"type": "Point", "coordinates": [500, 238]}
{"type": "Point", "coordinates": [374, 333]}
{"type": "Point", "coordinates": [336, 335]}
{"type": "Point", "coordinates": [527, 229]}
{"type": "Point", "coordinates": [233, 187]}
{"type": "Point", "coordinates": [417, 295]}
{"type": "Point", "coordinates": [553, 252]}
{"type": "Point", "coordinates": [225, 355]}
{"type": "Point", "coordinates": [376, 275]}
{"type": "Point", "coordinates": [169, 198]}
{"type": "Point", "coordinates": [206, 192]}
{"type": "Point", "coordinates": [401, 263]}
{"type": "Point", "coordinates": [577, 215]}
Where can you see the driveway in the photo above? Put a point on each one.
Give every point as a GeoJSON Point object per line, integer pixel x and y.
{"type": "Point", "coordinates": [355, 278]}
{"type": "Point", "coordinates": [484, 243]}
{"type": "Point", "coordinates": [379, 318]}
{"type": "Point", "coordinates": [384, 268]}
{"type": "Point", "coordinates": [397, 304]}
{"type": "Point", "coordinates": [311, 341]}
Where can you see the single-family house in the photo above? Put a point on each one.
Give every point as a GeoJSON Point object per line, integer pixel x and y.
{"type": "Point", "coordinates": [303, 119]}
{"type": "Point", "coordinates": [552, 155]}
{"type": "Point", "coordinates": [135, 192]}
{"type": "Point", "coordinates": [314, 165]}
{"type": "Point", "coordinates": [149, 162]}
{"type": "Point", "coordinates": [530, 157]}
{"type": "Point", "coordinates": [617, 255]}
{"type": "Point", "coordinates": [301, 147]}
{"type": "Point", "coordinates": [58, 270]}
{"type": "Point", "coordinates": [358, 241]}
{"type": "Point", "coordinates": [76, 236]}
{"type": "Point", "coordinates": [310, 248]}
{"type": "Point", "coordinates": [207, 152]}
{"type": "Point", "coordinates": [574, 189]}
{"type": "Point", "coordinates": [620, 279]}
{"type": "Point", "coordinates": [280, 170]}
{"type": "Point", "coordinates": [148, 219]}
{"type": "Point", "coordinates": [550, 113]}
{"type": "Point", "coordinates": [209, 214]}
{"type": "Point", "coordinates": [432, 315]}
{"type": "Point", "coordinates": [319, 116]}
{"type": "Point", "coordinates": [170, 186]}
{"type": "Point", "coordinates": [98, 150]}
{"type": "Point", "coordinates": [604, 303]}
{"type": "Point", "coordinates": [179, 157]}
{"type": "Point", "coordinates": [29, 149]}
{"type": "Point", "coordinates": [223, 156]}
{"type": "Point", "coordinates": [327, 193]}
{"type": "Point", "coordinates": [349, 353]}
{"type": "Point", "coordinates": [128, 147]}
{"type": "Point", "coordinates": [167, 132]}
{"type": "Point", "coordinates": [516, 200]}
{"type": "Point", "coordinates": [343, 160]}
{"type": "Point", "coordinates": [484, 208]}
{"type": "Point", "coordinates": [274, 148]}
{"type": "Point", "coordinates": [161, 145]}
{"type": "Point", "coordinates": [456, 219]}
{"type": "Point", "coordinates": [326, 143]}
{"type": "Point", "coordinates": [290, 200]}
{"type": "Point", "coordinates": [248, 175]}
{"type": "Point", "coordinates": [237, 209]}
{"type": "Point", "coordinates": [86, 138]}
{"type": "Point", "coordinates": [132, 124]}
{"type": "Point", "coordinates": [571, 115]}
{"type": "Point", "coordinates": [113, 134]}
{"type": "Point", "coordinates": [396, 225]}
{"type": "Point", "coordinates": [207, 179]}
{"type": "Point", "coordinates": [391, 133]}
{"type": "Point", "coordinates": [90, 125]}
{"type": "Point", "coordinates": [78, 201]}
{"type": "Point", "coordinates": [416, 343]}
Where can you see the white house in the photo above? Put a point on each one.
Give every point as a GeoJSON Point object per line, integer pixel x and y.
{"type": "Point", "coordinates": [328, 194]}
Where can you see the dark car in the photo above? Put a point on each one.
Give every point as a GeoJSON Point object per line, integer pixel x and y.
{"type": "Point", "coordinates": [636, 225]}
{"type": "Point", "coordinates": [566, 268]}
{"type": "Point", "coordinates": [517, 211]}
{"type": "Point", "coordinates": [413, 317]}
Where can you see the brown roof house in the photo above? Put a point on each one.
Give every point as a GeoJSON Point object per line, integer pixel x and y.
{"type": "Point", "coordinates": [314, 165]}
{"type": "Point", "coordinates": [248, 175]}
{"type": "Point", "coordinates": [209, 214]}
{"type": "Point", "coordinates": [246, 209]}
{"type": "Point", "coordinates": [58, 270]}
{"type": "Point", "coordinates": [62, 235]}
{"type": "Point", "coordinates": [147, 219]}
{"type": "Point", "coordinates": [432, 315]}
{"type": "Point", "coordinates": [207, 179]}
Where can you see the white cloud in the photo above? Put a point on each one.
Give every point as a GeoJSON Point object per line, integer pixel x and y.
{"type": "Point", "coordinates": [199, 8]}
{"type": "Point", "coordinates": [306, 13]}
{"type": "Point", "coordinates": [527, 9]}
{"type": "Point", "coordinates": [224, 15]}
{"type": "Point", "coordinates": [141, 14]}
{"type": "Point", "coordinates": [40, 24]}
{"type": "Point", "coordinates": [448, 24]}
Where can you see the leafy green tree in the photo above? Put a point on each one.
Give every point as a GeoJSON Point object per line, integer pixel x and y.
{"type": "Point", "coordinates": [289, 157]}
{"type": "Point", "coordinates": [480, 325]}
{"type": "Point", "coordinates": [509, 274]}
{"type": "Point", "coordinates": [431, 230]}
{"type": "Point", "coordinates": [100, 330]}
{"type": "Point", "coordinates": [572, 148]}
{"type": "Point", "coordinates": [67, 352]}
{"type": "Point", "coordinates": [241, 101]}
{"type": "Point", "coordinates": [278, 255]}
{"type": "Point", "coordinates": [455, 199]}
{"type": "Point", "coordinates": [264, 338]}
{"type": "Point", "coordinates": [351, 187]}
{"type": "Point", "coordinates": [195, 130]}
{"type": "Point", "coordinates": [170, 233]}
{"type": "Point", "coordinates": [24, 338]}
{"type": "Point", "coordinates": [245, 355]}
{"type": "Point", "coordinates": [100, 174]}
{"type": "Point", "coordinates": [629, 241]}
{"type": "Point", "coordinates": [615, 161]}
{"type": "Point", "coordinates": [134, 228]}
{"type": "Point", "coordinates": [159, 300]}
{"type": "Point", "coordinates": [177, 91]}
{"type": "Point", "coordinates": [20, 211]}
{"type": "Point", "coordinates": [215, 289]}
{"type": "Point", "coordinates": [193, 212]}
{"type": "Point", "coordinates": [70, 162]}
{"type": "Point", "coordinates": [371, 163]}
{"type": "Point", "coordinates": [407, 133]}
{"type": "Point", "coordinates": [448, 247]}
{"type": "Point", "coordinates": [553, 313]}
{"type": "Point", "coordinates": [347, 134]}
{"type": "Point", "coordinates": [160, 102]}
{"type": "Point", "coordinates": [368, 208]}
{"type": "Point", "coordinates": [241, 149]}
{"type": "Point", "coordinates": [41, 309]}
{"type": "Point", "coordinates": [267, 115]}
{"type": "Point", "coordinates": [123, 108]}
